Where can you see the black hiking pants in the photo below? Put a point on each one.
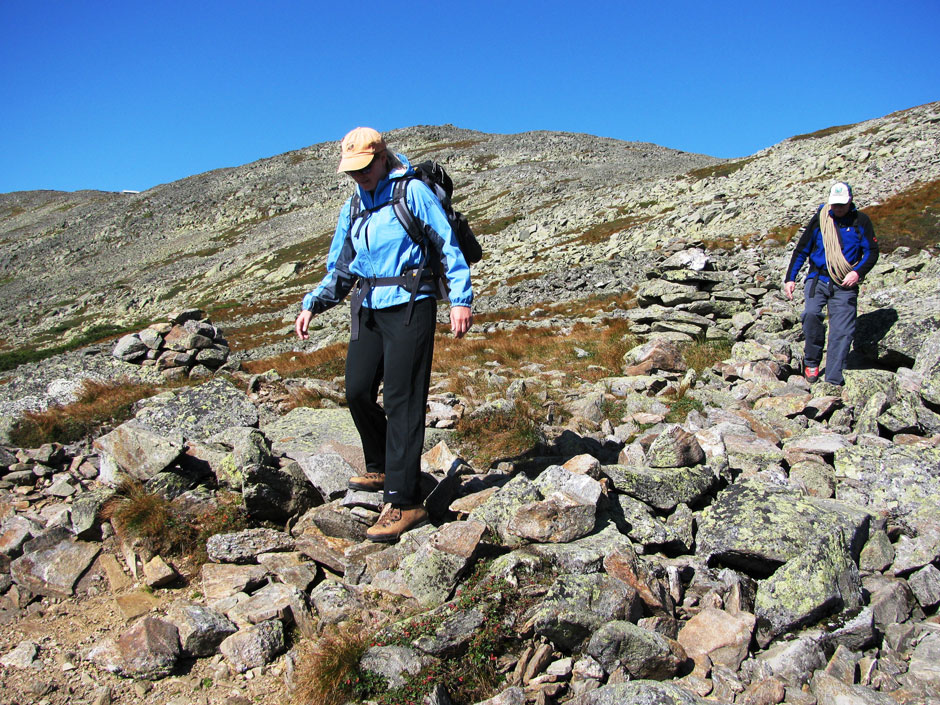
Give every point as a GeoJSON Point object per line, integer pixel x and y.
{"type": "Point", "coordinates": [400, 355]}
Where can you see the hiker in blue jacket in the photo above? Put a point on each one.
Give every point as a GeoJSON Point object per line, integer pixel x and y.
{"type": "Point", "coordinates": [839, 244]}
{"type": "Point", "coordinates": [394, 310]}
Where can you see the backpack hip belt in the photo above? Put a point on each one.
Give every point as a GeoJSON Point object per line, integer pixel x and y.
{"type": "Point", "coordinates": [411, 281]}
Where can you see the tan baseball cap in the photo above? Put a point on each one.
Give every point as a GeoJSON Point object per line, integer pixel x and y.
{"type": "Point", "coordinates": [359, 147]}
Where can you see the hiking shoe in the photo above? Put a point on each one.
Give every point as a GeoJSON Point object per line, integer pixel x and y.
{"type": "Point", "coordinates": [370, 482]}
{"type": "Point", "coordinates": [811, 374]}
{"type": "Point", "coordinates": [395, 520]}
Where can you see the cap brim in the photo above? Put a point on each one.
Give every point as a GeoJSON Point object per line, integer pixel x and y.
{"type": "Point", "coordinates": [354, 162]}
{"type": "Point", "coordinates": [839, 200]}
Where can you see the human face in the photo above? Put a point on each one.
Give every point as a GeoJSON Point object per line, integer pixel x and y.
{"type": "Point", "coordinates": [839, 209]}
{"type": "Point", "coordinates": [369, 176]}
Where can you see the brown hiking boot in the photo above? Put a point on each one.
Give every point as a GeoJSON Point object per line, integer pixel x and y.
{"type": "Point", "coordinates": [395, 520]}
{"type": "Point", "coordinates": [370, 482]}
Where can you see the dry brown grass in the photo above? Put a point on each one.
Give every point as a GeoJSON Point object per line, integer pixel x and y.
{"type": "Point", "coordinates": [327, 671]}
{"type": "Point", "coordinates": [604, 344]}
{"type": "Point", "coordinates": [167, 527]}
{"type": "Point", "coordinates": [500, 435]}
{"type": "Point", "coordinates": [324, 363]}
{"type": "Point", "coordinates": [909, 219]}
{"type": "Point", "coordinates": [98, 403]}
{"type": "Point", "coordinates": [256, 334]}
{"type": "Point", "coordinates": [702, 354]}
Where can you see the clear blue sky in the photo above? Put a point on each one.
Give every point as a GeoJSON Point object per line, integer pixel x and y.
{"type": "Point", "coordinates": [127, 95]}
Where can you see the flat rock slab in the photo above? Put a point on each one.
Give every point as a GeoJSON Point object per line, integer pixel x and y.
{"type": "Point", "coordinates": [245, 546]}
{"type": "Point", "coordinates": [905, 478]}
{"type": "Point", "coordinates": [304, 430]}
{"type": "Point", "coordinates": [221, 580]}
{"type": "Point", "coordinates": [54, 571]}
{"type": "Point", "coordinates": [199, 412]}
{"type": "Point", "coordinates": [662, 488]}
{"type": "Point", "coordinates": [640, 692]}
{"type": "Point", "coordinates": [138, 450]}
{"type": "Point", "coordinates": [758, 526]}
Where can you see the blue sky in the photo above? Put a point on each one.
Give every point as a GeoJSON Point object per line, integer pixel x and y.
{"type": "Point", "coordinates": [127, 95]}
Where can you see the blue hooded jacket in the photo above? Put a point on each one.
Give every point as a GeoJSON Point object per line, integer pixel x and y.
{"type": "Point", "coordinates": [856, 236]}
{"type": "Point", "coordinates": [378, 245]}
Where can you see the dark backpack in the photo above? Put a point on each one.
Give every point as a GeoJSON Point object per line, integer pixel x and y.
{"type": "Point", "coordinates": [434, 176]}
{"type": "Point", "coordinates": [442, 186]}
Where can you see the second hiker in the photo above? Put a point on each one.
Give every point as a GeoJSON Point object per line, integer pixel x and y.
{"type": "Point", "coordinates": [394, 310]}
{"type": "Point", "coordinates": [839, 244]}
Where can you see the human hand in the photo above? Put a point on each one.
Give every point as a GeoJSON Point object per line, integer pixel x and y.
{"type": "Point", "coordinates": [788, 288]}
{"type": "Point", "coordinates": [302, 324]}
{"type": "Point", "coordinates": [460, 320]}
{"type": "Point", "coordinates": [851, 279]}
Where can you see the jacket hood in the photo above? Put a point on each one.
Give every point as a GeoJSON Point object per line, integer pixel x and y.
{"type": "Point", "coordinates": [405, 170]}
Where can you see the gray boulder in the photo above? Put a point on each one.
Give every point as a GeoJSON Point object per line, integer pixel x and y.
{"type": "Point", "coordinates": [199, 412]}
{"type": "Point", "coordinates": [821, 580]}
{"type": "Point", "coordinates": [641, 653]}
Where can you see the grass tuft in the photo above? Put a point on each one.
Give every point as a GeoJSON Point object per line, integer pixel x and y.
{"type": "Point", "coordinates": [328, 669]}
{"type": "Point", "coordinates": [324, 363]}
{"type": "Point", "coordinates": [168, 527]}
{"type": "Point", "coordinates": [498, 434]}
{"type": "Point", "coordinates": [702, 354]}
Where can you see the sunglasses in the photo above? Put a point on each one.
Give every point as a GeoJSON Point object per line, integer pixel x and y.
{"type": "Point", "coordinates": [364, 171]}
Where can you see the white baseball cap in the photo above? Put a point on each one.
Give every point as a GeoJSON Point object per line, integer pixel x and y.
{"type": "Point", "coordinates": [840, 193]}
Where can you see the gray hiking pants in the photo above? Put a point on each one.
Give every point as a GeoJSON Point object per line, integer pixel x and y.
{"type": "Point", "coordinates": [842, 305]}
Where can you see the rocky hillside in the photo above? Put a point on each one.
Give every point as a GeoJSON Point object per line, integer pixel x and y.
{"type": "Point", "coordinates": [686, 519]}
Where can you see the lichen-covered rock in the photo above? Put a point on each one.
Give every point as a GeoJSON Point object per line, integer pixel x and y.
{"type": "Point", "coordinates": [394, 662]}
{"type": "Point", "coordinates": [640, 692]}
{"type": "Point", "coordinates": [675, 447]}
{"type": "Point", "coordinates": [130, 348]}
{"type": "Point", "coordinates": [244, 546]}
{"type": "Point", "coordinates": [576, 605]}
{"type": "Point", "coordinates": [277, 493]}
{"type": "Point", "coordinates": [329, 473]}
{"type": "Point", "coordinates": [902, 477]}
{"type": "Point", "coordinates": [201, 629]}
{"type": "Point", "coordinates": [199, 412]}
{"type": "Point", "coordinates": [304, 430]}
{"type": "Point", "coordinates": [662, 488]}
{"type": "Point", "coordinates": [137, 450]}
{"type": "Point", "coordinates": [452, 633]}
{"type": "Point", "coordinates": [759, 526]}
{"type": "Point", "coordinates": [821, 580]}
{"type": "Point", "coordinates": [498, 511]}
{"type": "Point", "coordinates": [640, 652]}
{"type": "Point", "coordinates": [431, 572]}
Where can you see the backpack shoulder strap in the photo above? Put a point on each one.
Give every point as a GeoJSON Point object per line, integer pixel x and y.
{"type": "Point", "coordinates": [405, 216]}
